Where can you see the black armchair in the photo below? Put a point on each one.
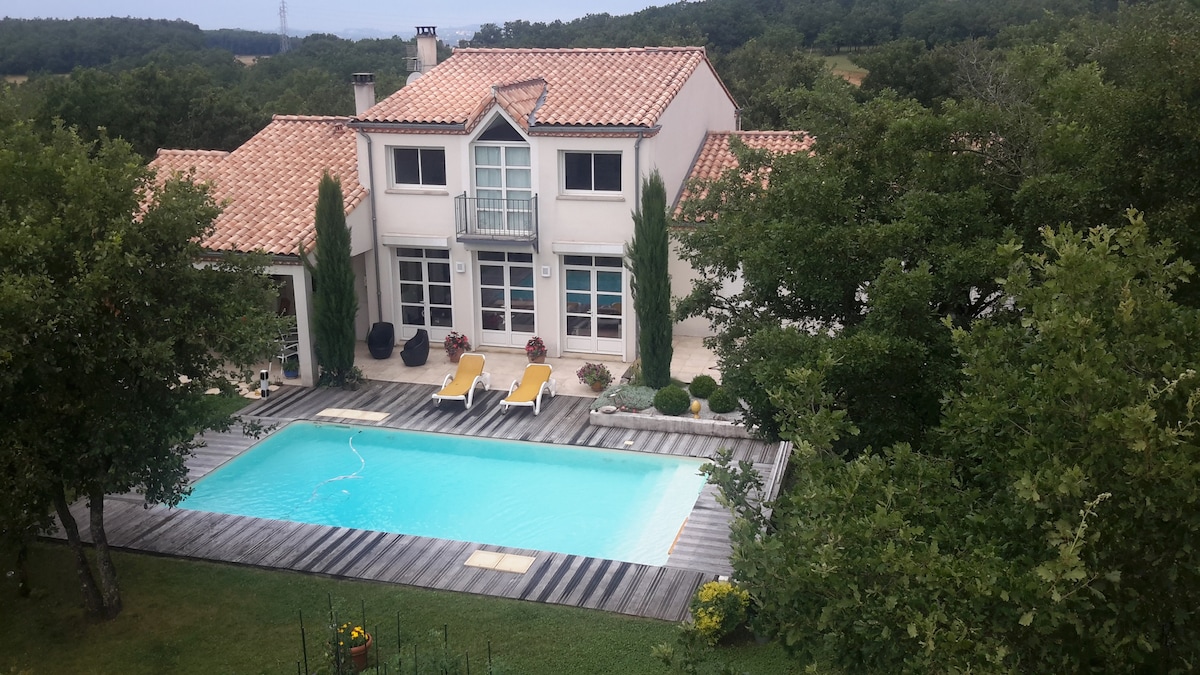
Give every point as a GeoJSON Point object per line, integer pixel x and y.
{"type": "Point", "coordinates": [416, 349]}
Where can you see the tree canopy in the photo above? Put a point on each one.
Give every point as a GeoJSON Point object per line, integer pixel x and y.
{"type": "Point", "coordinates": [111, 332]}
{"type": "Point", "coordinates": [985, 359]}
{"type": "Point", "coordinates": [892, 224]}
{"type": "Point", "coordinates": [1046, 524]}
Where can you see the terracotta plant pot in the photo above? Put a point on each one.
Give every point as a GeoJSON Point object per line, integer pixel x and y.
{"type": "Point", "coordinates": [358, 655]}
{"type": "Point", "coordinates": [597, 386]}
{"type": "Point", "coordinates": [538, 359]}
{"type": "Point", "coordinates": [455, 355]}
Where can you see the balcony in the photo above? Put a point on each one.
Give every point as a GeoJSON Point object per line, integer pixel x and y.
{"type": "Point", "coordinates": [499, 221]}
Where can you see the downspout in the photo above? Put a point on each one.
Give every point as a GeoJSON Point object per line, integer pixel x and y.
{"type": "Point", "coordinates": [637, 171]}
{"type": "Point", "coordinates": [637, 205]}
{"type": "Point", "coordinates": [374, 225]}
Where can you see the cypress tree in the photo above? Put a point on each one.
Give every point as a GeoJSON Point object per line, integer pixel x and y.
{"type": "Point", "coordinates": [334, 302]}
{"type": "Point", "coordinates": [647, 259]}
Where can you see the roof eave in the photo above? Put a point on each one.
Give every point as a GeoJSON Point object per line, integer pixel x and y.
{"type": "Point", "coordinates": [592, 130]}
{"type": "Point", "coordinates": [454, 128]}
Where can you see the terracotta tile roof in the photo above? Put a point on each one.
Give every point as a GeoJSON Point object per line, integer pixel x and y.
{"type": "Point", "coordinates": [582, 87]}
{"type": "Point", "coordinates": [519, 100]}
{"type": "Point", "coordinates": [716, 156]}
{"type": "Point", "coordinates": [203, 162]}
{"type": "Point", "coordinates": [269, 184]}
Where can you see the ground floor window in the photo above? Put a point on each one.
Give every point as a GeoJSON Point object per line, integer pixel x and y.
{"type": "Point", "coordinates": [425, 298]}
{"type": "Point", "coordinates": [594, 306]}
{"type": "Point", "coordinates": [506, 300]}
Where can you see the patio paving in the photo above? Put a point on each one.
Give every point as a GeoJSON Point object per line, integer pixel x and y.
{"type": "Point", "coordinates": [690, 358]}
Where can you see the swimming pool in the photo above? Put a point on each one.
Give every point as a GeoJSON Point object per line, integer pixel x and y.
{"type": "Point", "coordinates": [619, 505]}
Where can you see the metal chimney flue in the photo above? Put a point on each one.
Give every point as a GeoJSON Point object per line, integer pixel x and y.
{"type": "Point", "coordinates": [364, 91]}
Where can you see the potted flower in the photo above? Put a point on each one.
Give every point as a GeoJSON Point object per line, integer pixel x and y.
{"type": "Point", "coordinates": [456, 345]}
{"type": "Point", "coordinates": [358, 641]}
{"type": "Point", "coordinates": [595, 375]}
{"type": "Point", "coordinates": [535, 349]}
{"type": "Point", "coordinates": [291, 367]}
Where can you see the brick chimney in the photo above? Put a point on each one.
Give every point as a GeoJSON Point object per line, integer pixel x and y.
{"type": "Point", "coordinates": [427, 40]}
{"type": "Point", "coordinates": [364, 91]}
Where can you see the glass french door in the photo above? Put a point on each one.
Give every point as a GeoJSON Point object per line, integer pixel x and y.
{"type": "Point", "coordinates": [503, 188]}
{"type": "Point", "coordinates": [594, 306]}
{"type": "Point", "coordinates": [424, 297]}
{"type": "Point", "coordinates": [506, 302]}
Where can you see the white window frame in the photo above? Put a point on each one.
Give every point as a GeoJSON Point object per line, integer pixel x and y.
{"type": "Point", "coordinates": [562, 163]}
{"type": "Point", "coordinates": [593, 341]}
{"type": "Point", "coordinates": [428, 257]}
{"type": "Point", "coordinates": [420, 169]}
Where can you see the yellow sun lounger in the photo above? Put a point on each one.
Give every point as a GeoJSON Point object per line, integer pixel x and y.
{"type": "Point", "coordinates": [460, 386]}
{"type": "Point", "coordinates": [528, 392]}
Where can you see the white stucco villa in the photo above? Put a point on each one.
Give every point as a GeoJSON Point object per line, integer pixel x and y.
{"type": "Point", "coordinates": [503, 182]}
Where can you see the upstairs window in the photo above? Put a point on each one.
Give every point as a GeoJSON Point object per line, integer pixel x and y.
{"type": "Point", "coordinates": [419, 166]}
{"type": "Point", "coordinates": [592, 171]}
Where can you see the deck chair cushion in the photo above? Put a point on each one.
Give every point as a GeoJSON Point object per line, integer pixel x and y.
{"type": "Point", "coordinates": [460, 385]}
{"type": "Point", "coordinates": [534, 382]}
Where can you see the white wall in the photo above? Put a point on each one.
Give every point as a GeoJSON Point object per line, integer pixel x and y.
{"type": "Point", "coordinates": [302, 283]}
{"type": "Point", "coordinates": [700, 107]}
{"type": "Point", "coordinates": [585, 224]}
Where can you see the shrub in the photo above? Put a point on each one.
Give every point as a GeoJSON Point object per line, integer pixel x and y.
{"type": "Point", "coordinates": [718, 608]}
{"type": "Point", "coordinates": [721, 401]}
{"type": "Point", "coordinates": [702, 386]}
{"type": "Point", "coordinates": [627, 397]}
{"type": "Point", "coordinates": [633, 398]}
{"type": "Point", "coordinates": [671, 400]}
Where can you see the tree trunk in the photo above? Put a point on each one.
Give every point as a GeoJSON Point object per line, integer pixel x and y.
{"type": "Point", "coordinates": [110, 591]}
{"type": "Point", "coordinates": [92, 602]}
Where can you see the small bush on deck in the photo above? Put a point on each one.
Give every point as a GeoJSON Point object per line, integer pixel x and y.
{"type": "Point", "coordinates": [721, 401]}
{"type": "Point", "coordinates": [671, 400]}
{"type": "Point", "coordinates": [702, 386]}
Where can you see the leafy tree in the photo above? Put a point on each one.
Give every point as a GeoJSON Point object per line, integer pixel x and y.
{"type": "Point", "coordinates": [240, 41]}
{"type": "Point", "coordinates": [860, 249]}
{"type": "Point", "coordinates": [1045, 527]}
{"type": "Point", "coordinates": [758, 71]}
{"type": "Point", "coordinates": [1032, 134]}
{"type": "Point", "coordinates": [648, 256]}
{"type": "Point", "coordinates": [152, 107]}
{"type": "Point", "coordinates": [61, 45]}
{"type": "Point", "coordinates": [334, 303]}
{"type": "Point", "coordinates": [910, 69]}
{"type": "Point", "coordinates": [111, 334]}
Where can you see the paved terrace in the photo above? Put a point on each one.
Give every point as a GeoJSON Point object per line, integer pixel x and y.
{"type": "Point", "coordinates": [700, 553]}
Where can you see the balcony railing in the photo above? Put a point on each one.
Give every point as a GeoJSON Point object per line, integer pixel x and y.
{"type": "Point", "coordinates": [506, 221]}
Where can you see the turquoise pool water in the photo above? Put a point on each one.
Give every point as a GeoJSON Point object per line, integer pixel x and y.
{"type": "Point", "coordinates": [625, 506]}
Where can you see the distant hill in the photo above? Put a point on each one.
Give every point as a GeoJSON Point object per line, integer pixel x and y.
{"type": "Point", "coordinates": [60, 45]}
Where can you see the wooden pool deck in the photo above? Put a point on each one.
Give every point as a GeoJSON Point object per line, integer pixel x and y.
{"type": "Point", "coordinates": [700, 554]}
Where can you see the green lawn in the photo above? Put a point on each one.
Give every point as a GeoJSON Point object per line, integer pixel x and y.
{"type": "Point", "coordinates": [197, 617]}
{"type": "Point", "coordinates": [843, 67]}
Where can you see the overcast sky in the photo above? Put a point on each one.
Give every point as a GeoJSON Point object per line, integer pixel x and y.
{"type": "Point", "coordinates": [327, 16]}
